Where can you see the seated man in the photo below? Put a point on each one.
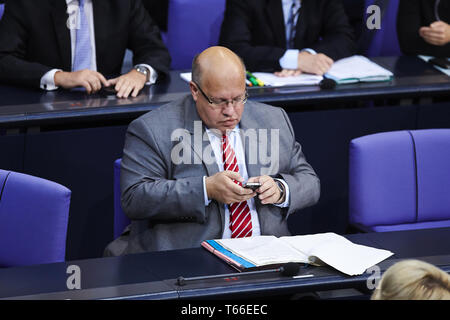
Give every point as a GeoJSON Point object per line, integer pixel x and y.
{"type": "Point", "coordinates": [423, 27]}
{"type": "Point", "coordinates": [183, 165]}
{"type": "Point", "coordinates": [80, 43]}
{"type": "Point", "coordinates": [288, 36]}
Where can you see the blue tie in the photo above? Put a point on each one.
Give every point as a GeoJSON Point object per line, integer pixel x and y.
{"type": "Point", "coordinates": [291, 27]}
{"type": "Point", "coordinates": [83, 50]}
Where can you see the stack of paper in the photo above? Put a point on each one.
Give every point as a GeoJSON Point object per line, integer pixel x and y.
{"type": "Point", "coordinates": [357, 69]}
{"type": "Point", "coordinates": [318, 249]}
{"type": "Point", "coordinates": [270, 79]}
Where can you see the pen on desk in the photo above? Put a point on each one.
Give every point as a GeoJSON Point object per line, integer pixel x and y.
{"type": "Point", "coordinates": [248, 83]}
{"type": "Point", "coordinates": [255, 81]}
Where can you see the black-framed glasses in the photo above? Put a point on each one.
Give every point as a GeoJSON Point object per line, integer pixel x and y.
{"type": "Point", "coordinates": [220, 103]}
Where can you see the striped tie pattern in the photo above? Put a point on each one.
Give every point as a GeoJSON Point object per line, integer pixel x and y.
{"type": "Point", "coordinates": [83, 50]}
{"type": "Point", "coordinates": [291, 26]}
{"type": "Point", "coordinates": [240, 217]}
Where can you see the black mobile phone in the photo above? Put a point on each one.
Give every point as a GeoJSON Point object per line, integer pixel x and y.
{"type": "Point", "coordinates": [252, 185]}
{"type": "Point", "coordinates": [108, 91]}
{"type": "Point", "coordinates": [440, 62]}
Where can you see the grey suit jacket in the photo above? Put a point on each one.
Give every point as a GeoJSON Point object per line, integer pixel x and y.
{"type": "Point", "coordinates": [165, 157]}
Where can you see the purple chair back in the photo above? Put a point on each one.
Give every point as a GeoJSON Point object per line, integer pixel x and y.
{"type": "Point", "coordinates": [34, 214]}
{"type": "Point", "coordinates": [2, 8]}
{"type": "Point", "coordinates": [384, 42]}
{"type": "Point", "coordinates": [400, 180]}
{"type": "Point", "coordinates": [192, 26]}
{"type": "Point", "coordinates": [120, 219]}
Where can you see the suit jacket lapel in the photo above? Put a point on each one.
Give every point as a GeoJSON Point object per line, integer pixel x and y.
{"type": "Point", "coordinates": [275, 16]}
{"type": "Point", "coordinates": [250, 138]}
{"type": "Point", "coordinates": [196, 128]}
{"type": "Point", "coordinates": [101, 12]}
{"type": "Point", "coordinates": [302, 23]}
{"type": "Point", "coordinates": [60, 21]}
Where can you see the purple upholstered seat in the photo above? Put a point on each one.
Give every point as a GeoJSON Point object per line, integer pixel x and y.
{"type": "Point", "coordinates": [400, 180]}
{"type": "Point", "coordinates": [34, 213]}
{"type": "Point", "coordinates": [120, 219]}
{"type": "Point", "coordinates": [192, 26]}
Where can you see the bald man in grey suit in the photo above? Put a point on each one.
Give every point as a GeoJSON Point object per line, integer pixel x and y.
{"type": "Point", "coordinates": [178, 190]}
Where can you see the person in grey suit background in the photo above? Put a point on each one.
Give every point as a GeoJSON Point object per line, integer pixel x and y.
{"type": "Point", "coordinates": [183, 165]}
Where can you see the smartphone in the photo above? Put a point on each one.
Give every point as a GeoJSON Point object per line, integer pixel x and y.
{"type": "Point", "coordinates": [252, 185]}
{"type": "Point", "coordinates": [108, 91]}
{"type": "Point", "coordinates": [440, 62]}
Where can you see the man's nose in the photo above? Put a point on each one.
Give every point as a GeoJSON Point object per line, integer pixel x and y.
{"type": "Point", "coordinates": [228, 110]}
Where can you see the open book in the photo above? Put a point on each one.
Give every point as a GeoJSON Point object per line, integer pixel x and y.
{"type": "Point", "coordinates": [357, 69]}
{"type": "Point", "coordinates": [318, 249]}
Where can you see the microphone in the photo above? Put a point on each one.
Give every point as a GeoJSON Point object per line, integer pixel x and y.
{"type": "Point", "coordinates": [327, 84]}
{"type": "Point", "coordinates": [287, 270]}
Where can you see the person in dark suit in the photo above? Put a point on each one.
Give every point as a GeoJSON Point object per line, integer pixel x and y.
{"type": "Point", "coordinates": [159, 11]}
{"type": "Point", "coordinates": [80, 43]}
{"type": "Point", "coordinates": [288, 36]}
{"type": "Point", "coordinates": [423, 27]}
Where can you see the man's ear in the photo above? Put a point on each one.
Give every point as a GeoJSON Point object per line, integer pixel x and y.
{"type": "Point", "coordinates": [194, 90]}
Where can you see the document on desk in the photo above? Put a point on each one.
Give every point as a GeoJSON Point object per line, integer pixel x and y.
{"type": "Point", "coordinates": [272, 80]}
{"type": "Point", "coordinates": [357, 69]}
{"type": "Point", "coordinates": [318, 249]}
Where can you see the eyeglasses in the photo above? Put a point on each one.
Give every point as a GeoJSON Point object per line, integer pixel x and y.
{"type": "Point", "coordinates": [220, 103]}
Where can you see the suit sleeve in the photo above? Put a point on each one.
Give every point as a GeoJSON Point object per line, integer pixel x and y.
{"type": "Point", "coordinates": [338, 40]}
{"type": "Point", "coordinates": [409, 21]}
{"type": "Point", "coordinates": [303, 182]}
{"type": "Point", "coordinates": [14, 69]}
{"type": "Point", "coordinates": [147, 190]}
{"type": "Point", "coordinates": [145, 40]}
{"type": "Point", "coordinates": [236, 34]}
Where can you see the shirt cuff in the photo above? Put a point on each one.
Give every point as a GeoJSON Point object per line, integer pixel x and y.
{"type": "Point", "coordinates": [205, 194]}
{"type": "Point", "coordinates": [290, 59]}
{"type": "Point", "coordinates": [153, 73]}
{"type": "Point", "coordinates": [285, 204]}
{"type": "Point", "coordinates": [48, 80]}
{"type": "Point", "coordinates": [312, 51]}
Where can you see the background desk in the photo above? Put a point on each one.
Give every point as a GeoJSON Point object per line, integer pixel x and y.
{"type": "Point", "coordinates": [73, 139]}
{"type": "Point", "coordinates": [153, 275]}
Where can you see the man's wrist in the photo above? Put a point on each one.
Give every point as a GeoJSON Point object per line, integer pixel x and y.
{"type": "Point", "coordinates": [282, 190]}
{"type": "Point", "coordinates": [143, 71]}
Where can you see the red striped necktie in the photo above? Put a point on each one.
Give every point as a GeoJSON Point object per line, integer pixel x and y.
{"type": "Point", "coordinates": [240, 217]}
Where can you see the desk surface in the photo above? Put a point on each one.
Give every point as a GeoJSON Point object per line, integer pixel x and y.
{"type": "Point", "coordinates": [153, 275]}
{"type": "Point", "coordinates": [20, 106]}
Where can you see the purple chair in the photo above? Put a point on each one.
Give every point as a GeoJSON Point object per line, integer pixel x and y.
{"type": "Point", "coordinates": [192, 26]}
{"type": "Point", "coordinates": [120, 219]}
{"type": "Point", "coordinates": [34, 213]}
{"type": "Point", "coordinates": [400, 180]}
{"type": "Point", "coordinates": [383, 42]}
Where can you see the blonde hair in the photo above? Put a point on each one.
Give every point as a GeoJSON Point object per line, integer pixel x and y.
{"type": "Point", "coordinates": [413, 280]}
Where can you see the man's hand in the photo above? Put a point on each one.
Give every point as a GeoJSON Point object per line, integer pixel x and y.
{"type": "Point", "coordinates": [268, 192]}
{"type": "Point", "coordinates": [438, 33]}
{"type": "Point", "coordinates": [221, 187]}
{"type": "Point", "coordinates": [288, 73]}
{"type": "Point", "coordinates": [91, 80]}
{"type": "Point", "coordinates": [314, 63]}
{"type": "Point", "coordinates": [132, 82]}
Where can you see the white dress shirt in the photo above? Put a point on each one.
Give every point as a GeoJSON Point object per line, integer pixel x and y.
{"type": "Point", "coordinates": [290, 58]}
{"type": "Point", "coordinates": [48, 79]}
{"type": "Point", "coordinates": [235, 140]}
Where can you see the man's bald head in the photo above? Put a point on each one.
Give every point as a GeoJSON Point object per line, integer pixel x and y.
{"type": "Point", "coordinates": [218, 88]}
{"type": "Point", "coordinates": [217, 64]}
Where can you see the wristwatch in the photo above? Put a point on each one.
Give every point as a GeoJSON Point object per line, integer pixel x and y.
{"type": "Point", "coordinates": [280, 186]}
{"type": "Point", "coordinates": [144, 71]}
